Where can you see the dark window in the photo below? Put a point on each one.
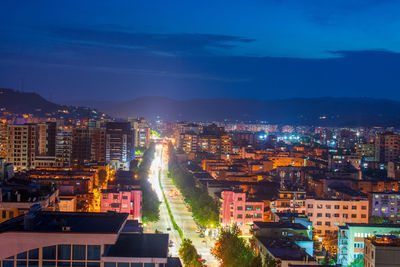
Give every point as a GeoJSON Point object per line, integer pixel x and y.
{"type": "Point", "coordinates": [319, 223]}
{"type": "Point", "coordinates": [337, 207]}
{"type": "Point", "coordinates": [353, 207]}
{"type": "Point", "coordinates": [353, 215]}
{"type": "Point", "coordinates": [8, 263]}
{"type": "Point", "coordinates": [93, 252]}
{"type": "Point", "coordinates": [363, 216]}
{"type": "Point", "coordinates": [240, 208]}
{"type": "Point", "coordinates": [319, 214]}
{"type": "Point", "coordinates": [310, 206]}
{"type": "Point", "coordinates": [240, 199]}
{"type": "Point", "coordinates": [123, 264]}
{"type": "Point", "coordinates": [49, 253]}
{"type": "Point", "coordinates": [328, 206]}
{"type": "Point", "coordinates": [33, 264]}
{"type": "Point", "coordinates": [149, 265]}
{"type": "Point", "coordinates": [64, 252]}
{"type": "Point", "coordinates": [136, 265]}
{"type": "Point", "coordinates": [363, 207]}
{"type": "Point", "coordinates": [21, 263]}
{"type": "Point", "coordinates": [345, 207]}
{"type": "Point", "coordinates": [240, 216]}
{"type": "Point", "coordinates": [327, 215]}
{"type": "Point", "coordinates": [22, 255]}
{"type": "Point", "coordinates": [110, 264]}
{"type": "Point", "coordinates": [93, 264]}
{"type": "Point", "coordinates": [78, 264]}
{"type": "Point", "coordinates": [34, 254]}
{"type": "Point", "coordinates": [63, 264]}
{"type": "Point", "coordinates": [114, 205]}
{"type": "Point", "coordinates": [115, 196]}
{"type": "Point", "coordinates": [328, 223]}
{"type": "Point", "coordinates": [78, 252]}
{"type": "Point", "coordinates": [124, 197]}
{"type": "Point", "coordinates": [319, 206]}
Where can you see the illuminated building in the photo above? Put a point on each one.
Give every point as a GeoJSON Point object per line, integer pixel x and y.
{"type": "Point", "coordinates": [387, 147]}
{"type": "Point", "coordinates": [119, 144]}
{"type": "Point", "coordinates": [79, 239]}
{"type": "Point", "coordinates": [351, 239]}
{"type": "Point", "coordinates": [64, 147]}
{"type": "Point", "coordinates": [21, 146]}
{"type": "Point", "coordinates": [328, 214]}
{"type": "Point", "coordinates": [81, 145]}
{"type": "Point", "coordinates": [381, 251]}
{"type": "Point", "coordinates": [3, 140]}
{"type": "Point", "coordinates": [123, 201]}
{"type": "Point", "coordinates": [237, 209]}
{"type": "Point", "coordinates": [289, 201]}
{"type": "Point", "coordinates": [98, 145]}
{"type": "Point", "coordinates": [386, 205]}
{"type": "Point", "coordinates": [189, 142]}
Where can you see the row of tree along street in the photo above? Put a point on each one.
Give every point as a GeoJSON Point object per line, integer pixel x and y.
{"type": "Point", "coordinates": [205, 209]}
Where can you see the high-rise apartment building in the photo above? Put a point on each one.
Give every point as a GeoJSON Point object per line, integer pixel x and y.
{"type": "Point", "coordinates": [64, 147]}
{"type": "Point", "coordinates": [21, 146]}
{"type": "Point", "coordinates": [46, 135]}
{"type": "Point", "coordinates": [81, 145]}
{"type": "Point", "coordinates": [119, 144]}
{"type": "Point", "coordinates": [141, 132]}
{"type": "Point", "coordinates": [387, 147]}
{"type": "Point", "coordinates": [98, 145]}
{"type": "Point", "coordinates": [3, 140]}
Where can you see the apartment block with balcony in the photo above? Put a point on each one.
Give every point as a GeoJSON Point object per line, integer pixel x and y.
{"type": "Point", "coordinates": [351, 239]}
{"type": "Point", "coordinates": [386, 205]}
{"type": "Point", "coordinates": [289, 201]}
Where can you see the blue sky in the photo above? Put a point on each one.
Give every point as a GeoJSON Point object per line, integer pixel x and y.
{"type": "Point", "coordinates": [117, 50]}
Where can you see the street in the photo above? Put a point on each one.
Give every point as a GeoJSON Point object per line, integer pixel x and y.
{"type": "Point", "coordinates": [181, 213]}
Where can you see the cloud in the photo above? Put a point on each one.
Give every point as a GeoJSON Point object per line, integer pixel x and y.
{"type": "Point", "coordinates": [184, 43]}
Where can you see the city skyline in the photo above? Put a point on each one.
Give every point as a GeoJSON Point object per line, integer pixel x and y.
{"type": "Point", "coordinates": [266, 50]}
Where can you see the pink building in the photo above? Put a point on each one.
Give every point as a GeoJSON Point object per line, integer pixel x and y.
{"type": "Point", "coordinates": [122, 201]}
{"type": "Point", "coordinates": [236, 209]}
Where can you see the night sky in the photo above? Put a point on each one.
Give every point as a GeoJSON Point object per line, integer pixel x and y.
{"type": "Point", "coordinates": [118, 50]}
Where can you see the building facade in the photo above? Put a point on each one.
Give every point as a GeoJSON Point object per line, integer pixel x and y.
{"type": "Point", "coordinates": [123, 201]}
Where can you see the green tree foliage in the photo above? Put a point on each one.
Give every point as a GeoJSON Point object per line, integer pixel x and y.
{"type": "Point", "coordinates": [189, 255]}
{"type": "Point", "coordinates": [204, 208]}
{"type": "Point", "coordinates": [376, 220]}
{"type": "Point", "coordinates": [150, 202]}
{"type": "Point", "coordinates": [232, 250]}
{"type": "Point", "coordinates": [269, 261]}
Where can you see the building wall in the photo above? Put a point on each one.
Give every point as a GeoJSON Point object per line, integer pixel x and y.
{"type": "Point", "coordinates": [123, 202]}
{"type": "Point", "coordinates": [327, 215]}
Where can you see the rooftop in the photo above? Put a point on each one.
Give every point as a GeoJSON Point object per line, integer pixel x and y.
{"type": "Point", "coordinates": [77, 222]}
{"type": "Point", "coordinates": [369, 225]}
{"type": "Point", "coordinates": [296, 226]}
{"type": "Point", "coordinates": [135, 245]}
{"type": "Point", "coordinates": [284, 249]}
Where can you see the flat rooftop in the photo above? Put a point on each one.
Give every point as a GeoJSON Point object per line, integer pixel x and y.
{"type": "Point", "coordinates": [296, 226]}
{"type": "Point", "coordinates": [135, 245]}
{"type": "Point", "coordinates": [78, 222]}
{"type": "Point", "coordinates": [284, 249]}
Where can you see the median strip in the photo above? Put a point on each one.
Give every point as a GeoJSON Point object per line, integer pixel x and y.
{"type": "Point", "coordinates": [175, 225]}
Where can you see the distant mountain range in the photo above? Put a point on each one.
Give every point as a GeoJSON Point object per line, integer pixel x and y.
{"type": "Point", "coordinates": [326, 111]}
{"type": "Point", "coordinates": [17, 102]}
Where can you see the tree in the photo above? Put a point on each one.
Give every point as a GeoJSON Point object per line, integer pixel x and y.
{"type": "Point", "coordinates": [376, 220]}
{"type": "Point", "coordinates": [189, 255]}
{"type": "Point", "coordinates": [269, 261]}
{"type": "Point", "coordinates": [232, 250]}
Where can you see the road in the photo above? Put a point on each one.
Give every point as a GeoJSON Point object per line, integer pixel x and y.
{"type": "Point", "coordinates": [182, 215]}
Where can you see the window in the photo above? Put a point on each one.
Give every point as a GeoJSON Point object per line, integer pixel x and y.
{"type": "Point", "coordinates": [309, 214]}
{"type": "Point", "coordinates": [328, 215]}
{"type": "Point", "coordinates": [345, 207]}
{"type": "Point", "coordinates": [95, 264]}
{"type": "Point", "coordinates": [363, 216]}
{"type": "Point", "coordinates": [363, 207]}
{"type": "Point", "coordinates": [21, 263]}
{"type": "Point", "coordinates": [34, 254]}
{"type": "Point", "coordinates": [149, 265]}
{"type": "Point", "coordinates": [109, 264]}
{"type": "Point", "coordinates": [310, 206]}
{"type": "Point", "coordinates": [319, 223]}
{"type": "Point", "coordinates": [353, 216]}
{"type": "Point", "coordinates": [124, 197]}
{"type": "Point", "coordinates": [123, 264]}
{"type": "Point", "coordinates": [249, 207]}
{"type": "Point", "coordinates": [115, 196]}
{"type": "Point", "coordinates": [105, 196]}
{"type": "Point", "coordinates": [240, 216]}
{"type": "Point", "coordinates": [345, 216]}
{"type": "Point", "coordinates": [319, 206]}
{"type": "Point", "coordinates": [79, 252]}
{"type": "Point", "coordinates": [33, 264]}
{"type": "Point", "coordinates": [336, 215]}
{"type": "Point", "coordinates": [353, 207]}
{"type": "Point", "coordinates": [49, 253]}
{"type": "Point", "coordinates": [64, 252]}
{"type": "Point", "coordinates": [258, 215]}
{"type": "Point", "coordinates": [78, 264]}
{"type": "Point", "coordinates": [240, 208]}
{"type": "Point", "coordinates": [63, 264]}
{"type": "Point", "coordinates": [319, 214]}
{"type": "Point", "coordinates": [328, 207]}
{"type": "Point", "coordinates": [93, 252]}
{"type": "Point", "coordinates": [337, 207]}
{"type": "Point", "coordinates": [48, 264]}
{"type": "Point", "coordinates": [22, 255]}
{"type": "Point", "coordinates": [114, 205]}
{"type": "Point", "coordinates": [240, 199]}
{"type": "Point", "coordinates": [258, 207]}
{"type": "Point", "coordinates": [328, 223]}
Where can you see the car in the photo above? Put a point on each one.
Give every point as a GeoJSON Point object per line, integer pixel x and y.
{"type": "Point", "coordinates": [170, 244]}
{"type": "Point", "coordinates": [198, 231]}
{"type": "Point", "coordinates": [169, 229]}
{"type": "Point", "coordinates": [201, 235]}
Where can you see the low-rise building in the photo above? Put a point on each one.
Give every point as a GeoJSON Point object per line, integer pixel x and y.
{"type": "Point", "coordinates": [381, 251]}
{"type": "Point", "coordinates": [351, 239]}
{"type": "Point", "coordinates": [122, 200]}
{"type": "Point", "coordinates": [386, 205]}
{"type": "Point", "coordinates": [289, 201]}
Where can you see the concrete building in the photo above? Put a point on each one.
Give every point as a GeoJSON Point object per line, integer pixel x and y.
{"type": "Point", "coordinates": [123, 201]}
{"type": "Point", "coordinates": [21, 146]}
{"type": "Point", "coordinates": [79, 239]}
{"type": "Point", "coordinates": [64, 147]}
{"type": "Point", "coordinates": [67, 203]}
{"type": "Point", "coordinates": [237, 209]}
{"type": "Point", "coordinates": [351, 239]}
{"type": "Point", "coordinates": [328, 214]}
{"type": "Point", "coordinates": [387, 147]}
{"type": "Point", "coordinates": [289, 201]}
{"type": "Point", "coordinates": [119, 144]}
{"type": "Point", "coordinates": [382, 251]}
{"type": "Point", "coordinates": [386, 205]}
